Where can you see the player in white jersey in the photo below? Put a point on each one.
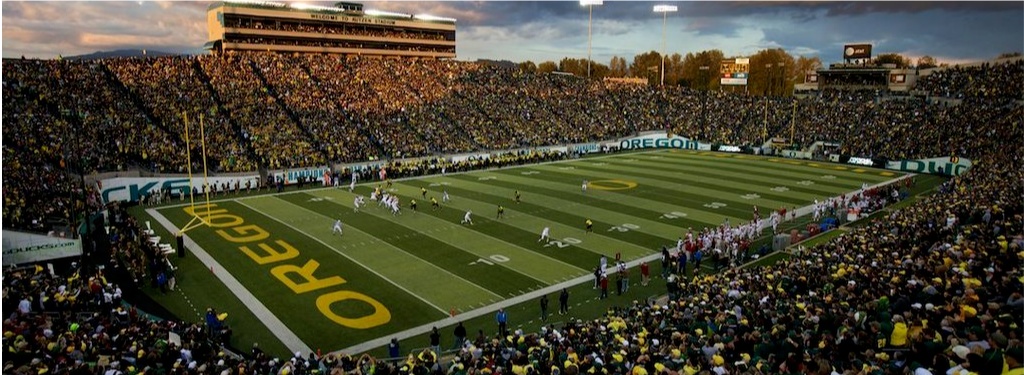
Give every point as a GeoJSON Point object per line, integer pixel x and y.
{"type": "Point", "coordinates": [396, 209]}
{"type": "Point", "coordinates": [444, 196]}
{"type": "Point", "coordinates": [545, 235]}
{"type": "Point", "coordinates": [584, 187]}
{"type": "Point", "coordinates": [468, 219]}
{"type": "Point", "coordinates": [357, 203]}
{"type": "Point", "coordinates": [337, 228]}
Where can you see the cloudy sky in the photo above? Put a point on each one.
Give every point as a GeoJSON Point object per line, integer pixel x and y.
{"type": "Point", "coordinates": [550, 30]}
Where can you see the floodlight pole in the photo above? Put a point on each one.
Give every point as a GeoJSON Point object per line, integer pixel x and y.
{"type": "Point", "coordinates": [704, 97]}
{"type": "Point", "coordinates": [590, 26]}
{"type": "Point", "coordinates": [664, 10]}
{"type": "Point", "coordinates": [590, 38]}
{"type": "Point", "coordinates": [664, 34]}
{"type": "Point", "coordinates": [764, 129]}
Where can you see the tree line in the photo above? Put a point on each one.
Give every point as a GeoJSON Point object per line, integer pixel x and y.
{"type": "Point", "coordinates": [772, 71]}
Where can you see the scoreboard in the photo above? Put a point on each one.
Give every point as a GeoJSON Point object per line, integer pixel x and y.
{"type": "Point", "coordinates": [735, 71]}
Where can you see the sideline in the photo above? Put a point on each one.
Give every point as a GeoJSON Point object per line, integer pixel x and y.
{"type": "Point", "coordinates": [275, 325]}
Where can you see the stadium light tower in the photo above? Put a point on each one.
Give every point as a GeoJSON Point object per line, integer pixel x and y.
{"type": "Point", "coordinates": [664, 10]}
{"type": "Point", "coordinates": [768, 88]}
{"type": "Point", "coordinates": [590, 25]}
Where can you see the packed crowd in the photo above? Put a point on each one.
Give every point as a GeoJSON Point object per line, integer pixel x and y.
{"type": "Point", "coordinates": [283, 111]}
{"type": "Point", "coordinates": [172, 89]}
{"type": "Point", "coordinates": [932, 288]}
{"type": "Point", "coordinates": [988, 81]}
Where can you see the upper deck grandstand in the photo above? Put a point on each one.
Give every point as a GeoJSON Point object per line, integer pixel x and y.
{"type": "Point", "coordinates": [344, 29]}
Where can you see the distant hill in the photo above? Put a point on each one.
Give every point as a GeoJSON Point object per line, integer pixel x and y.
{"type": "Point", "coordinates": [120, 53]}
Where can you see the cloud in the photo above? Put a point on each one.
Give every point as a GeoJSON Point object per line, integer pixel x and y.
{"type": "Point", "coordinates": [46, 29]}
{"type": "Point", "coordinates": [952, 35]}
{"type": "Point", "coordinates": [856, 8]}
{"type": "Point", "coordinates": [550, 30]}
{"type": "Point", "coordinates": [704, 26]}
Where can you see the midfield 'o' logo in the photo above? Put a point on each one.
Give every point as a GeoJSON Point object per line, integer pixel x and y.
{"type": "Point", "coordinates": [612, 184]}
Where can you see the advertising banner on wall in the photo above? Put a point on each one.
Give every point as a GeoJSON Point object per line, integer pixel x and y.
{"type": "Point", "coordinates": [947, 166]}
{"type": "Point", "coordinates": [291, 176]}
{"type": "Point", "coordinates": [660, 141]}
{"type": "Point", "coordinates": [134, 188]}
{"type": "Point", "coordinates": [23, 247]}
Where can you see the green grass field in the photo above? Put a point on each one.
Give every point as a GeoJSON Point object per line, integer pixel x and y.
{"type": "Point", "coordinates": [390, 274]}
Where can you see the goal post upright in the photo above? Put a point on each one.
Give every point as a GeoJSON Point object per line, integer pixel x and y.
{"type": "Point", "coordinates": [196, 221]}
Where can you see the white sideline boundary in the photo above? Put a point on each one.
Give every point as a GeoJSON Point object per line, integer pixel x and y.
{"type": "Point", "coordinates": [275, 325]}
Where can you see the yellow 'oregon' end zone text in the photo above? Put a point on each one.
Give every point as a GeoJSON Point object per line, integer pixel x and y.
{"type": "Point", "coordinates": [299, 279]}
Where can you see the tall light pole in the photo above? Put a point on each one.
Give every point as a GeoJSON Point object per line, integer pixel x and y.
{"type": "Point", "coordinates": [590, 25]}
{"type": "Point", "coordinates": [704, 77]}
{"type": "Point", "coordinates": [782, 79]}
{"type": "Point", "coordinates": [704, 96]}
{"type": "Point", "coordinates": [768, 83]}
{"type": "Point", "coordinates": [664, 10]}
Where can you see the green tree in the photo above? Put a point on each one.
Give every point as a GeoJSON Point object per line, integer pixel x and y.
{"type": "Point", "coordinates": [893, 58]}
{"type": "Point", "coordinates": [547, 67]}
{"type": "Point", "coordinates": [617, 67]}
{"type": "Point", "coordinates": [597, 70]}
{"type": "Point", "coordinates": [528, 66]}
{"type": "Point", "coordinates": [703, 79]}
{"type": "Point", "coordinates": [647, 65]}
{"type": "Point", "coordinates": [674, 69]}
{"type": "Point", "coordinates": [806, 65]}
{"type": "Point", "coordinates": [926, 62]}
{"type": "Point", "coordinates": [772, 72]}
{"type": "Point", "coordinates": [573, 66]}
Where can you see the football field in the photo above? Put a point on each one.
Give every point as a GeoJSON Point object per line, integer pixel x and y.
{"type": "Point", "coordinates": [387, 274]}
